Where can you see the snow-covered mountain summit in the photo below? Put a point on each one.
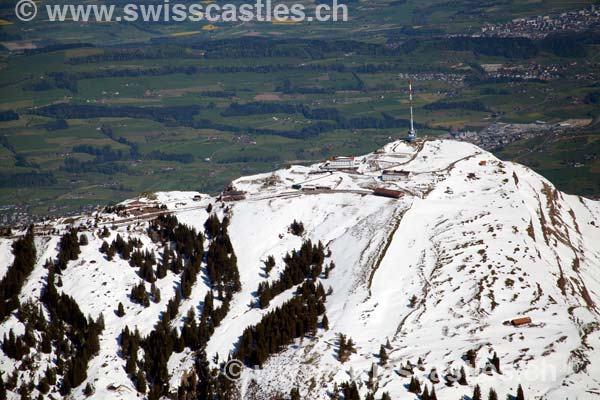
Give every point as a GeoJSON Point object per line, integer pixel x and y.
{"type": "Point", "coordinates": [434, 269]}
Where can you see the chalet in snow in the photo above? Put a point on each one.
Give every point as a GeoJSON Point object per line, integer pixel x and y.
{"type": "Point", "coordinates": [232, 195]}
{"type": "Point", "coordinates": [521, 321]}
{"type": "Point", "coordinates": [394, 175]}
{"type": "Point", "coordinates": [335, 163]}
{"type": "Point", "coordinates": [383, 192]}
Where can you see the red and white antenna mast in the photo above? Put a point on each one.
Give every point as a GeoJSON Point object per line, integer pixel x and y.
{"type": "Point", "coordinates": [412, 134]}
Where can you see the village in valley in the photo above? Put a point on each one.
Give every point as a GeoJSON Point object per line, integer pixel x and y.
{"type": "Point", "coordinates": [500, 134]}
{"type": "Point", "coordinates": [544, 25]}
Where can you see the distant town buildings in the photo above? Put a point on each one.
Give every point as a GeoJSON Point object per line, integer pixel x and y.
{"type": "Point", "coordinates": [529, 71]}
{"type": "Point", "coordinates": [526, 71]}
{"type": "Point", "coordinates": [20, 216]}
{"type": "Point", "coordinates": [543, 25]}
{"type": "Point", "coordinates": [500, 134]}
{"type": "Point", "coordinates": [433, 76]}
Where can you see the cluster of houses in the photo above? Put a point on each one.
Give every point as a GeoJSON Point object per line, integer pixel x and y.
{"type": "Point", "coordinates": [345, 163]}
{"type": "Point", "coordinates": [137, 208]}
{"type": "Point", "coordinates": [529, 71]}
{"type": "Point", "coordinates": [501, 134]}
{"type": "Point", "coordinates": [333, 164]}
{"type": "Point", "coordinates": [543, 25]}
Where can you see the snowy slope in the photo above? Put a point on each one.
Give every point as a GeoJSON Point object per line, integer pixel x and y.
{"type": "Point", "coordinates": [475, 240]}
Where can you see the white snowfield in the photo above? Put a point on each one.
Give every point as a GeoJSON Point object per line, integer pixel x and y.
{"type": "Point", "coordinates": [473, 243]}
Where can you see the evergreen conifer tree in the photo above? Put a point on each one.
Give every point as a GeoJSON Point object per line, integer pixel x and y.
{"type": "Point", "coordinates": [425, 394]}
{"type": "Point", "coordinates": [294, 394]}
{"type": "Point", "coordinates": [476, 393]}
{"type": "Point", "coordinates": [520, 393]}
{"type": "Point", "coordinates": [140, 382]}
{"type": "Point", "coordinates": [325, 322]}
{"type": "Point", "coordinates": [496, 363]}
{"type": "Point", "coordinates": [350, 391]}
{"type": "Point", "coordinates": [462, 380]}
{"type": "Point", "coordinates": [432, 395]}
{"type": "Point", "coordinates": [471, 357]}
{"type": "Point", "coordinates": [414, 386]}
{"type": "Point", "coordinates": [43, 387]}
{"type": "Point", "coordinates": [383, 357]}
{"type": "Point", "coordinates": [297, 228]}
{"type": "Point", "coordinates": [120, 310]}
{"type": "Point", "coordinates": [88, 390]}
{"type": "Point", "coordinates": [2, 387]}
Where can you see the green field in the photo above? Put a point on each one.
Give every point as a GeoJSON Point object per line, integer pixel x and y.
{"type": "Point", "coordinates": [571, 162]}
{"type": "Point", "coordinates": [167, 113]}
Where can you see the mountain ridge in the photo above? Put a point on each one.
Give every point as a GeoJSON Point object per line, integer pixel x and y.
{"type": "Point", "coordinates": [472, 242]}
